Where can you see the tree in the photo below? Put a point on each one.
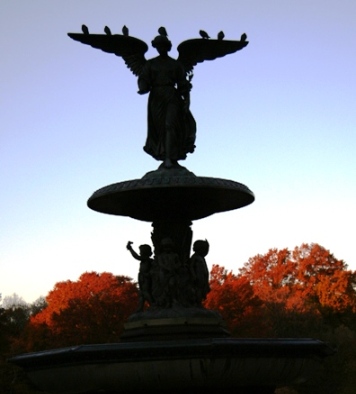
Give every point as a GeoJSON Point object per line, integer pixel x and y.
{"type": "Point", "coordinates": [90, 310]}
{"type": "Point", "coordinates": [232, 296]}
{"type": "Point", "coordinates": [14, 315]}
{"type": "Point", "coordinates": [307, 292]}
{"type": "Point", "coordinates": [13, 301]}
{"type": "Point", "coordinates": [272, 275]}
{"type": "Point", "coordinates": [309, 278]}
{"type": "Point", "coordinates": [324, 280]}
{"type": "Point", "coordinates": [38, 305]}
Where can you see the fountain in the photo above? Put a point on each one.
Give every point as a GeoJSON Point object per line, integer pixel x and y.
{"type": "Point", "coordinates": [174, 344]}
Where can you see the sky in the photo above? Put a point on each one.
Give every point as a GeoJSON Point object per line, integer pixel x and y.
{"type": "Point", "coordinates": [278, 116]}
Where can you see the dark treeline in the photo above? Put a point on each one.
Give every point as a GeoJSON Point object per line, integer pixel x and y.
{"type": "Point", "coordinates": [305, 292]}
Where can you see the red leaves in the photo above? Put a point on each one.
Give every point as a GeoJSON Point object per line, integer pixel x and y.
{"type": "Point", "coordinates": [307, 278]}
{"type": "Point", "coordinates": [280, 293]}
{"type": "Point", "coordinates": [271, 275]}
{"type": "Point", "coordinates": [278, 287]}
{"type": "Point", "coordinates": [91, 310]}
{"type": "Point", "coordinates": [233, 297]}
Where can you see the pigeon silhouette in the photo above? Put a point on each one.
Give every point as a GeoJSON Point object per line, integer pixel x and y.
{"type": "Point", "coordinates": [107, 31]}
{"type": "Point", "coordinates": [85, 29]}
{"type": "Point", "coordinates": [243, 37]}
{"type": "Point", "coordinates": [203, 34]}
{"type": "Point", "coordinates": [221, 35]}
{"type": "Point", "coordinates": [125, 31]}
{"type": "Point", "coordinates": [162, 31]}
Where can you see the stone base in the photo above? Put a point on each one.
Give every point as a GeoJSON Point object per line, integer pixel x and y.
{"type": "Point", "coordinates": [242, 366]}
{"type": "Point", "coordinates": [174, 328]}
{"type": "Point", "coordinates": [174, 323]}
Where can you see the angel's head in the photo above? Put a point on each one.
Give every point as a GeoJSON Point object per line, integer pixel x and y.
{"type": "Point", "coordinates": [162, 44]}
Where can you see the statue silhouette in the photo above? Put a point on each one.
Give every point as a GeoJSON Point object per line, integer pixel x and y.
{"type": "Point", "coordinates": [171, 126]}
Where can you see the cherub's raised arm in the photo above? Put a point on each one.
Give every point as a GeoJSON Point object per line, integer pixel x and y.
{"type": "Point", "coordinates": [133, 253]}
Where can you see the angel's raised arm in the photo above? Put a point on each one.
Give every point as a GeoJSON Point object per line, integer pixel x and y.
{"type": "Point", "coordinates": [198, 50]}
{"type": "Point", "coordinates": [131, 49]}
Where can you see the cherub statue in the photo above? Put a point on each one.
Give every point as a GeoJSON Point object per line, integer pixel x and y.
{"type": "Point", "coordinates": [171, 126]}
{"type": "Point", "coordinates": [199, 270]}
{"type": "Point", "coordinates": [144, 274]}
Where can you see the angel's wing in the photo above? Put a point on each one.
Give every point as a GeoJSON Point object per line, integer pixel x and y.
{"type": "Point", "coordinates": [196, 51]}
{"type": "Point", "coordinates": [131, 49]}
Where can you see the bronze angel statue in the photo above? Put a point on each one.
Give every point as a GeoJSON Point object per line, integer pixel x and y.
{"type": "Point", "coordinates": [171, 126]}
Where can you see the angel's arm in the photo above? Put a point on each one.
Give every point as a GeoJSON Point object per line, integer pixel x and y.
{"type": "Point", "coordinates": [184, 86]}
{"type": "Point", "coordinates": [144, 80]}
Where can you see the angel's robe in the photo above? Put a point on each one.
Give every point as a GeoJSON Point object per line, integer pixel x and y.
{"type": "Point", "coordinates": [171, 127]}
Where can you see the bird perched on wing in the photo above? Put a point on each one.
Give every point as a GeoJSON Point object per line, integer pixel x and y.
{"type": "Point", "coordinates": [221, 35]}
{"type": "Point", "coordinates": [162, 31]}
{"type": "Point", "coordinates": [203, 34]}
{"type": "Point", "coordinates": [85, 29]}
{"type": "Point", "coordinates": [125, 31]}
{"type": "Point", "coordinates": [107, 31]}
{"type": "Point", "coordinates": [243, 37]}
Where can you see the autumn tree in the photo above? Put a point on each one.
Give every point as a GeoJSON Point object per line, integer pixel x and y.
{"type": "Point", "coordinates": [309, 278]}
{"type": "Point", "coordinates": [308, 292]}
{"type": "Point", "coordinates": [232, 296]}
{"type": "Point", "coordinates": [324, 281]}
{"type": "Point", "coordinates": [272, 275]}
{"type": "Point", "coordinates": [90, 310]}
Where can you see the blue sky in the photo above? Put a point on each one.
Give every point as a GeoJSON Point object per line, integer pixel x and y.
{"type": "Point", "coordinates": [279, 116]}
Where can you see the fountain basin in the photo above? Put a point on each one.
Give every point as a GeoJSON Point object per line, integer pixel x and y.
{"type": "Point", "coordinates": [197, 364]}
{"type": "Point", "coordinates": [165, 195]}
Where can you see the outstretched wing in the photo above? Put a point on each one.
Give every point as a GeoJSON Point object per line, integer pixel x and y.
{"type": "Point", "coordinates": [198, 50]}
{"type": "Point", "coordinates": [131, 49]}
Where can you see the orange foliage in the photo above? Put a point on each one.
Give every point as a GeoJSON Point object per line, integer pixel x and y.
{"type": "Point", "coordinates": [309, 278]}
{"type": "Point", "coordinates": [90, 310]}
{"type": "Point", "coordinates": [232, 296]}
{"type": "Point", "coordinates": [280, 293]}
{"type": "Point", "coordinates": [271, 275]}
{"type": "Point", "coordinates": [323, 280]}
{"type": "Point", "coordinates": [283, 292]}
